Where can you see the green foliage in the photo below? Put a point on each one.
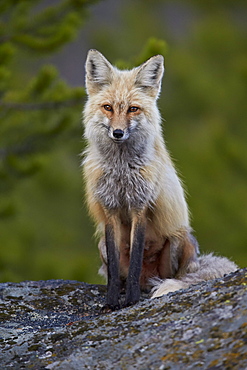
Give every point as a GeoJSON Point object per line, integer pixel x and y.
{"type": "Point", "coordinates": [40, 113]}
{"type": "Point", "coordinates": [45, 231]}
{"type": "Point", "coordinates": [211, 131]}
{"type": "Point", "coordinates": [34, 114]}
{"type": "Point", "coordinates": [153, 46]}
{"type": "Point", "coordinates": [42, 31]}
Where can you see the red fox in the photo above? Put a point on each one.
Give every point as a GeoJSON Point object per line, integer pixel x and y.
{"type": "Point", "coordinates": [132, 188]}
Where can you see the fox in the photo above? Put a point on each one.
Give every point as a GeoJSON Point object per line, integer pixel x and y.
{"type": "Point", "coordinates": [133, 191]}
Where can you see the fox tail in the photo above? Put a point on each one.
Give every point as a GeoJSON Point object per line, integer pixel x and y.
{"type": "Point", "coordinates": [209, 267]}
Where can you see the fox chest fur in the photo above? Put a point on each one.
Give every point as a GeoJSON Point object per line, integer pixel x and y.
{"type": "Point", "coordinates": [122, 184]}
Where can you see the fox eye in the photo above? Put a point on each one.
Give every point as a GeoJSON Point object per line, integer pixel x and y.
{"type": "Point", "coordinates": [108, 108]}
{"type": "Point", "coordinates": [133, 109]}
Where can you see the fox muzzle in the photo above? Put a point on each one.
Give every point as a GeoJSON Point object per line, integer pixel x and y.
{"type": "Point", "coordinates": [119, 135]}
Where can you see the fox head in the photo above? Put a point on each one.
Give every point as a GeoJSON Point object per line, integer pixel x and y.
{"type": "Point", "coordinates": [121, 104]}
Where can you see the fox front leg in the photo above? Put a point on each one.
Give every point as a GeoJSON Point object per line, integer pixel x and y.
{"type": "Point", "coordinates": [113, 279]}
{"type": "Point", "coordinates": [136, 258]}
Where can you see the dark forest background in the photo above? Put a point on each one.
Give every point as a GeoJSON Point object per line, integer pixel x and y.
{"type": "Point", "coordinates": [45, 232]}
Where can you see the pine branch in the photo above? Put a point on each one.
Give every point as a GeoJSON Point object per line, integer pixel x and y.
{"type": "Point", "coordinates": [40, 105]}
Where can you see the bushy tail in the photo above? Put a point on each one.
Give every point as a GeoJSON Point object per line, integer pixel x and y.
{"type": "Point", "coordinates": [210, 267]}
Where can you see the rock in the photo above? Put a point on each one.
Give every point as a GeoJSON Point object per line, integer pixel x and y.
{"type": "Point", "coordinates": [58, 324]}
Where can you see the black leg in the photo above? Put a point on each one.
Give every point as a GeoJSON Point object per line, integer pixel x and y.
{"type": "Point", "coordinates": [113, 286]}
{"type": "Point", "coordinates": [133, 280]}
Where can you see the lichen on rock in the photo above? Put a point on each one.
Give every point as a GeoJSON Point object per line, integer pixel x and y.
{"type": "Point", "coordinates": [59, 324]}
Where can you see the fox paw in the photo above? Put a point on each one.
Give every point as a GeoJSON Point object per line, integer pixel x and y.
{"type": "Point", "coordinates": [167, 286]}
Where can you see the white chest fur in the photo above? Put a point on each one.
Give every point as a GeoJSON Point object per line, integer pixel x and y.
{"type": "Point", "coordinates": [122, 184]}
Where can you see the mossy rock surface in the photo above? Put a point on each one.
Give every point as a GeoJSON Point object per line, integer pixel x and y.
{"type": "Point", "coordinates": [58, 324]}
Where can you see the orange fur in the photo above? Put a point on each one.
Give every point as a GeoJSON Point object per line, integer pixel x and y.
{"type": "Point", "coordinates": [132, 188]}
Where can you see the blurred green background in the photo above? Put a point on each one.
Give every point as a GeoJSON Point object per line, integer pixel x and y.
{"type": "Point", "coordinates": [45, 232]}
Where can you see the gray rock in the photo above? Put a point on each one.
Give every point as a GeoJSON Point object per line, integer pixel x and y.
{"type": "Point", "coordinates": [58, 324]}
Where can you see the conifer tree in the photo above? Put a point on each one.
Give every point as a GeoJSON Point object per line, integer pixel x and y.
{"type": "Point", "coordinates": [35, 113]}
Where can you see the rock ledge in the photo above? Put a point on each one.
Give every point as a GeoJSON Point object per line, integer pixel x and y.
{"type": "Point", "coordinates": [58, 324]}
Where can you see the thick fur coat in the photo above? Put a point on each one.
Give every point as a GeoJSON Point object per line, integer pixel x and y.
{"type": "Point", "coordinates": [132, 189]}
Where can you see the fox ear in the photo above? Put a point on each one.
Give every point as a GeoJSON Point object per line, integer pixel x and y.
{"type": "Point", "coordinates": [149, 75]}
{"type": "Point", "coordinates": [98, 71]}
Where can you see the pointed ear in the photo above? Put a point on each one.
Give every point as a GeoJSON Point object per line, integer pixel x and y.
{"type": "Point", "coordinates": [150, 74]}
{"type": "Point", "coordinates": [98, 71]}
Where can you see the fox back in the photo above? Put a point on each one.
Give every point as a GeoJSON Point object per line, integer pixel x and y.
{"type": "Point", "coordinates": [132, 188]}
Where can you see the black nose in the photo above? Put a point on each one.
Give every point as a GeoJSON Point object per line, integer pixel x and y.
{"type": "Point", "coordinates": [118, 134]}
